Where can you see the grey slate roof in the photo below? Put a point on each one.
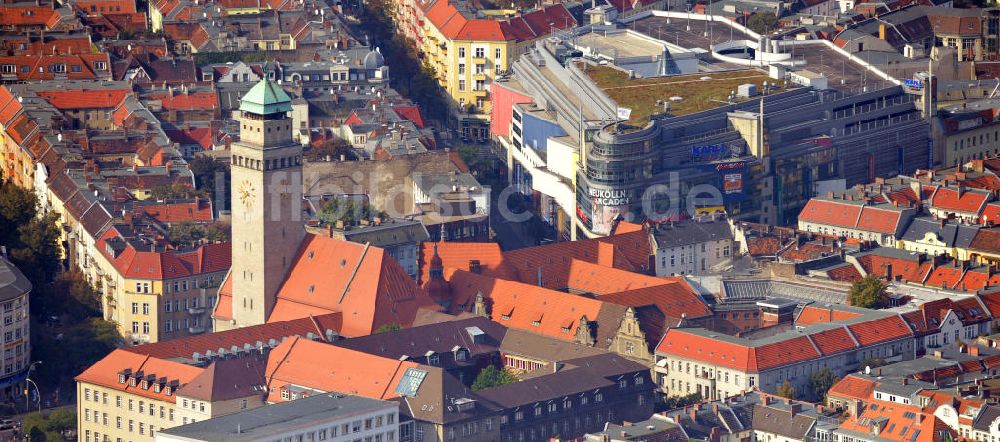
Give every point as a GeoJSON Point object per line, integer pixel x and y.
{"type": "Point", "coordinates": [13, 283]}
{"type": "Point", "coordinates": [260, 423]}
{"type": "Point", "coordinates": [951, 233]}
{"type": "Point", "coordinates": [690, 232]}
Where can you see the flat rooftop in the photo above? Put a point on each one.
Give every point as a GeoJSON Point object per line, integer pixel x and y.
{"type": "Point", "coordinates": [840, 71]}
{"type": "Point", "coordinates": [675, 31]}
{"type": "Point", "coordinates": [697, 92]}
{"type": "Point", "coordinates": [620, 44]}
{"type": "Point", "coordinates": [277, 419]}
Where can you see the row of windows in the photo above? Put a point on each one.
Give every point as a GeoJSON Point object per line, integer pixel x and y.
{"type": "Point", "coordinates": [55, 67]}
{"type": "Point", "coordinates": [350, 428]}
{"type": "Point", "coordinates": [480, 53]}
{"type": "Point", "coordinates": [102, 398]}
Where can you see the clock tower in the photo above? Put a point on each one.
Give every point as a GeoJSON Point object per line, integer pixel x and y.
{"type": "Point", "coordinates": [266, 196]}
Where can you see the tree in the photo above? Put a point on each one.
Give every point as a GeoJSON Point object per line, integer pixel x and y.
{"type": "Point", "coordinates": [207, 173]}
{"type": "Point", "coordinates": [786, 390]}
{"type": "Point", "coordinates": [870, 292]}
{"type": "Point", "coordinates": [675, 402]}
{"type": "Point", "coordinates": [348, 211]}
{"type": "Point", "coordinates": [387, 328]}
{"type": "Point", "coordinates": [820, 382]}
{"type": "Point", "coordinates": [49, 425]}
{"type": "Point", "coordinates": [189, 233]}
{"type": "Point", "coordinates": [872, 362]}
{"type": "Point", "coordinates": [490, 377]}
{"type": "Point", "coordinates": [332, 149]}
{"type": "Point", "coordinates": [175, 191]}
{"type": "Point", "coordinates": [762, 22]}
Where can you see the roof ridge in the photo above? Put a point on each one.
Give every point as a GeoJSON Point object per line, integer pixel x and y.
{"type": "Point", "coordinates": [270, 376]}
{"type": "Point", "coordinates": [354, 273]}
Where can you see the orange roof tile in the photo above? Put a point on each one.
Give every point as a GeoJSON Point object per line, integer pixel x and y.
{"type": "Point", "coordinates": [971, 201]}
{"type": "Point", "coordinates": [364, 283]}
{"type": "Point", "coordinates": [525, 306]}
{"type": "Point", "coordinates": [9, 106]}
{"type": "Point", "coordinates": [853, 387]}
{"type": "Point", "coordinates": [877, 220]}
{"type": "Point", "coordinates": [674, 299]}
{"type": "Point", "coordinates": [224, 305]}
{"type": "Point", "coordinates": [458, 255]}
{"type": "Point", "coordinates": [833, 341]}
{"type": "Point", "coordinates": [188, 101]}
{"type": "Point", "coordinates": [830, 213]}
{"type": "Point", "coordinates": [811, 314]}
{"type": "Point", "coordinates": [879, 330]}
{"type": "Point", "coordinates": [105, 373]}
{"type": "Point", "coordinates": [304, 363]}
{"type": "Point", "coordinates": [945, 276]}
{"type": "Point", "coordinates": [199, 210]}
{"type": "Point", "coordinates": [846, 273]}
{"type": "Point", "coordinates": [132, 263]}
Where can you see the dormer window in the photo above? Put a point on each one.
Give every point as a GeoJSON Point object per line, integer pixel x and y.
{"type": "Point", "coordinates": [460, 355]}
{"type": "Point", "coordinates": [168, 390]}
{"type": "Point", "coordinates": [434, 359]}
{"type": "Point", "coordinates": [121, 378]}
{"type": "Point", "coordinates": [157, 388]}
{"type": "Point", "coordinates": [145, 384]}
{"type": "Point", "coordinates": [132, 382]}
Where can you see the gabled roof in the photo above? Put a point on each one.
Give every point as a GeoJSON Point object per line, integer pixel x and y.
{"type": "Point", "coordinates": [105, 373]}
{"type": "Point", "coordinates": [304, 363]}
{"type": "Point", "coordinates": [227, 379]}
{"type": "Point", "coordinates": [536, 309]}
{"type": "Point", "coordinates": [364, 283]}
{"type": "Point", "coordinates": [853, 387]}
{"type": "Point", "coordinates": [949, 199]}
{"type": "Point", "coordinates": [132, 263]}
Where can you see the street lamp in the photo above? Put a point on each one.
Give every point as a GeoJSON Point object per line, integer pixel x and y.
{"type": "Point", "coordinates": [27, 397]}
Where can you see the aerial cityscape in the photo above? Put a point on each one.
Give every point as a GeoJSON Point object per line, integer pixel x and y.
{"type": "Point", "coordinates": [473, 220]}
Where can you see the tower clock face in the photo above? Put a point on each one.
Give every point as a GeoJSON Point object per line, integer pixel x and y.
{"type": "Point", "coordinates": [247, 194]}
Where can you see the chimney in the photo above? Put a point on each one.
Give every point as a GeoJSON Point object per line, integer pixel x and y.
{"type": "Point", "coordinates": [974, 350]}
{"type": "Point", "coordinates": [794, 409]}
{"type": "Point", "coordinates": [539, 276]}
{"type": "Point", "coordinates": [906, 381]}
{"type": "Point", "coordinates": [694, 414]}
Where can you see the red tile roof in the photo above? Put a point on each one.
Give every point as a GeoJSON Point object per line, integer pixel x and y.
{"type": "Point", "coordinates": [987, 241]}
{"type": "Point", "coordinates": [364, 283]}
{"type": "Point", "coordinates": [991, 213]}
{"type": "Point", "coordinates": [199, 210]}
{"type": "Point", "coordinates": [525, 306]}
{"type": "Point", "coordinates": [46, 66]}
{"type": "Point", "coordinates": [105, 373]}
{"type": "Point", "coordinates": [411, 113]}
{"type": "Point", "coordinates": [971, 201]}
{"type": "Point", "coordinates": [906, 269]}
{"type": "Point", "coordinates": [202, 136]}
{"type": "Point", "coordinates": [535, 24]}
{"type": "Point", "coordinates": [879, 330]}
{"type": "Point", "coordinates": [825, 212]}
{"type": "Point", "coordinates": [64, 99]}
{"type": "Point", "coordinates": [187, 101]}
{"type": "Point", "coordinates": [846, 273]}
{"type": "Point", "coordinates": [853, 387]}
{"type": "Point", "coordinates": [457, 255]}
{"type": "Point", "coordinates": [811, 314]}
{"type": "Point", "coordinates": [833, 341]}
{"type": "Point", "coordinates": [877, 220]}
{"type": "Point", "coordinates": [9, 106]}
{"type": "Point", "coordinates": [945, 276]}
{"type": "Point", "coordinates": [304, 363]}
{"type": "Point", "coordinates": [29, 16]}
{"type": "Point", "coordinates": [186, 347]}
{"type": "Point", "coordinates": [674, 299]}
{"type": "Point", "coordinates": [132, 263]}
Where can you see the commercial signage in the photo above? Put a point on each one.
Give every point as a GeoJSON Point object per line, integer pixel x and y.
{"type": "Point", "coordinates": [609, 197]}
{"type": "Point", "coordinates": [709, 152]}
{"type": "Point", "coordinates": [914, 84]}
{"type": "Point", "coordinates": [732, 182]}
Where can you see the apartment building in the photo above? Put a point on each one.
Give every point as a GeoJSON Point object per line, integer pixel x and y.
{"type": "Point", "coordinates": [154, 293]}
{"type": "Point", "coordinates": [470, 48]}
{"type": "Point", "coordinates": [324, 417]}
{"type": "Point", "coordinates": [14, 291]}
{"type": "Point", "coordinates": [135, 392]}
{"type": "Point", "coordinates": [698, 360]}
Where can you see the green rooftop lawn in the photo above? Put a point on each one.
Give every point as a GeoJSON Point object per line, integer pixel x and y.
{"type": "Point", "coordinates": [641, 95]}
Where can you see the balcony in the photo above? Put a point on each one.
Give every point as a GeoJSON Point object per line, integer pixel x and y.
{"type": "Point", "coordinates": [480, 76]}
{"type": "Point", "coordinates": [479, 60]}
{"type": "Point", "coordinates": [480, 92]}
{"type": "Point", "coordinates": [196, 330]}
{"type": "Point", "coordinates": [196, 310]}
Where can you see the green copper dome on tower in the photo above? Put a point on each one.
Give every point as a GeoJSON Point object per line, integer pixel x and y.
{"type": "Point", "coordinates": [265, 98]}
